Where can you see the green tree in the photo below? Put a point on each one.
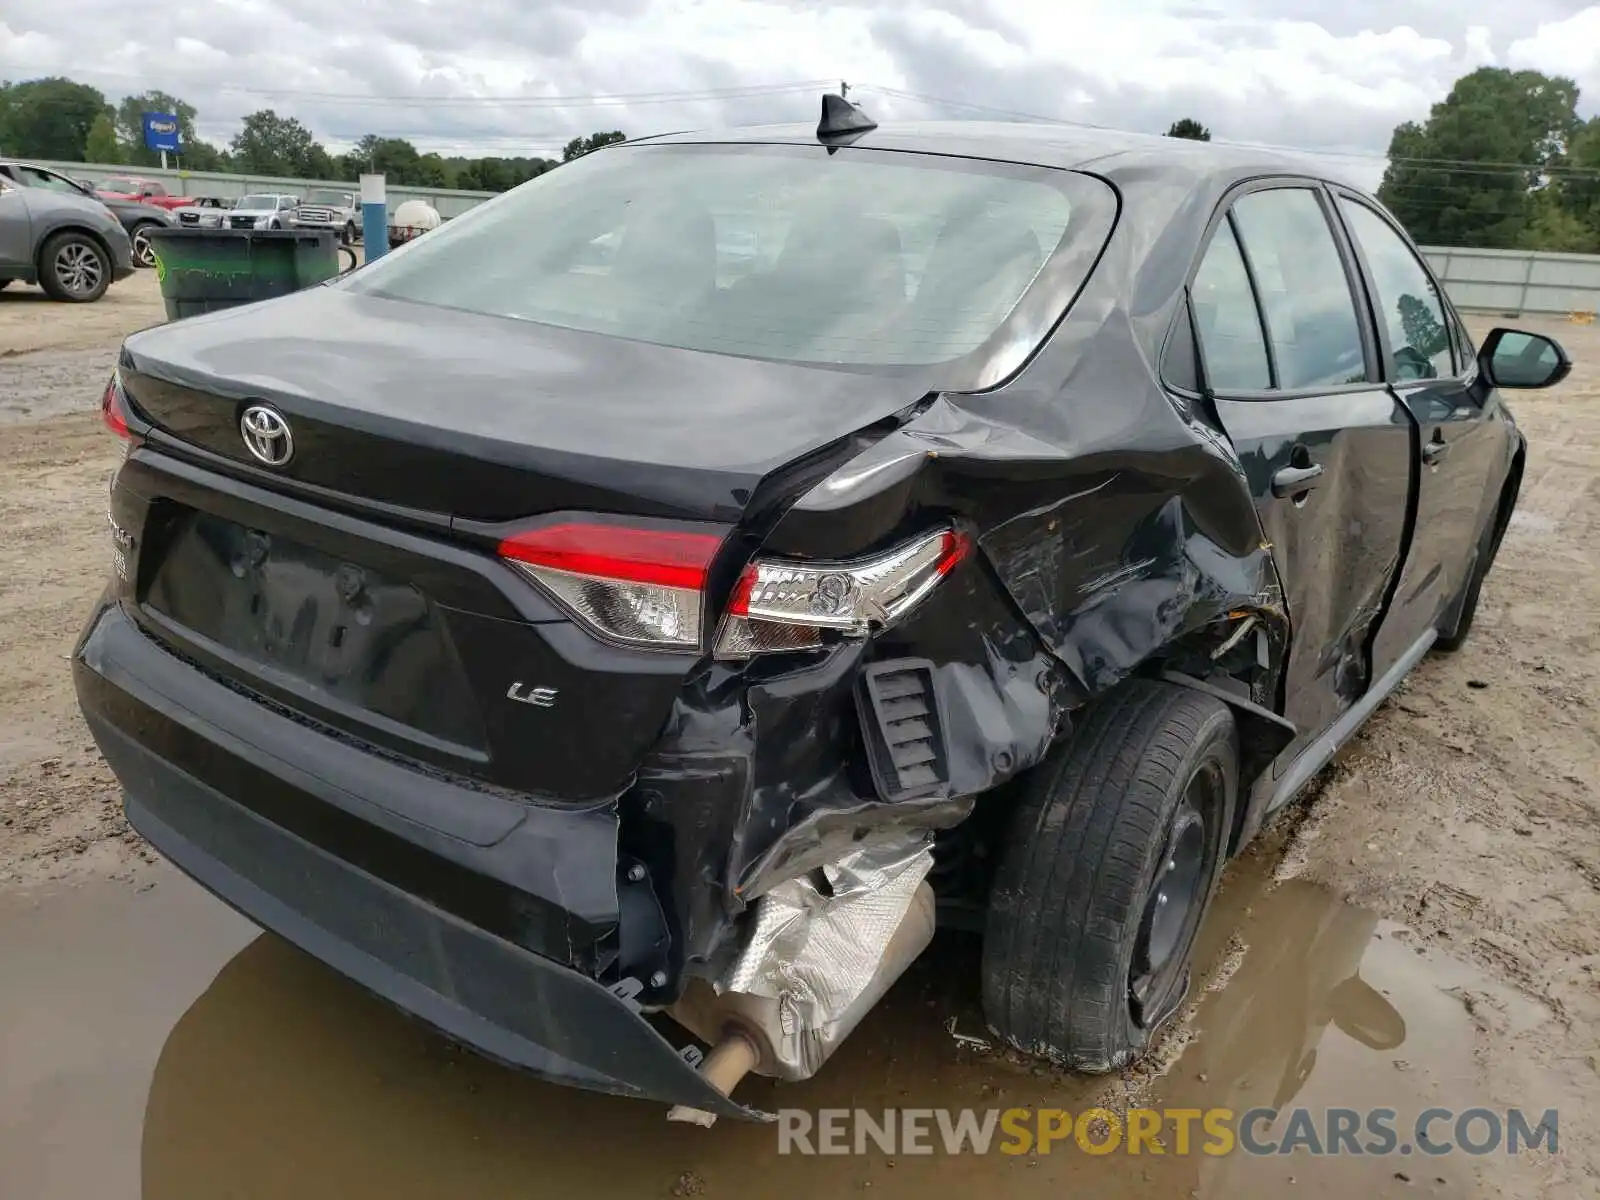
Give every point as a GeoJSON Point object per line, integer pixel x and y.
{"type": "Point", "coordinates": [48, 118]}
{"type": "Point", "coordinates": [579, 146]}
{"type": "Point", "coordinates": [1580, 183]}
{"type": "Point", "coordinates": [1465, 176]}
{"type": "Point", "coordinates": [394, 158]}
{"type": "Point", "coordinates": [1190, 129]}
{"type": "Point", "coordinates": [268, 144]}
{"type": "Point", "coordinates": [1423, 330]}
{"type": "Point", "coordinates": [130, 127]}
{"type": "Point", "coordinates": [430, 171]}
{"type": "Point", "coordinates": [1556, 223]}
{"type": "Point", "coordinates": [101, 146]}
{"type": "Point", "coordinates": [201, 155]}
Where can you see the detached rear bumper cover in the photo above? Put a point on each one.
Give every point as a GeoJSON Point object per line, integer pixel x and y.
{"type": "Point", "coordinates": [506, 1002]}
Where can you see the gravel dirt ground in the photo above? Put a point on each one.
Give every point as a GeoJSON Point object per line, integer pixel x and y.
{"type": "Point", "coordinates": [1450, 861]}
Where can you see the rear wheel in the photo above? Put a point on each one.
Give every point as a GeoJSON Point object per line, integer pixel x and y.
{"type": "Point", "coordinates": [1110, 863]}
{"type": "Point", "coordinates": [144, 250]}
{"type": "Point", "coordinates": [1458, 621]}
{"type": "Point", "coordinates": [1466, 609]}
{"type": "Point", "coordinates": [349, 235]}
{"type": "Point", "coordinates": [74, 267]}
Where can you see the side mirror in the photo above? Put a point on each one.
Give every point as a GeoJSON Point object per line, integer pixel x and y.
{"type": "Point", "coordinates": [1360, 1011]}
{"type": "Point", "coordinates": [1511, 358]}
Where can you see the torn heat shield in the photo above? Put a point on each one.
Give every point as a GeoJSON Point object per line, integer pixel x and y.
{"type": "Point", "coordinates": [819, 956]}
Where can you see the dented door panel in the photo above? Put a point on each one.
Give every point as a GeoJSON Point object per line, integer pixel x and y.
{"type": "Point", "coordinates": [1092, 562]}
{"type": "Point", "coordinates": [1337, 544]}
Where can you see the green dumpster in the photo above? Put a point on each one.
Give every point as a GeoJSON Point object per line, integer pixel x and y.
{"type": "Point", "coordinates": [203, 270]}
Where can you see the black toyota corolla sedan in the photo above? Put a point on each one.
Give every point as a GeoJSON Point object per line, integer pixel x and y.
{"type": "Point", "coordinates": [650, 603]}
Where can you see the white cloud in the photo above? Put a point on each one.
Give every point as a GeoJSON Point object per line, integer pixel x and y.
{"type": "Point", "coordinates": [1570, 47]}
{"type": "Point", "coordinates": [1288, 72]}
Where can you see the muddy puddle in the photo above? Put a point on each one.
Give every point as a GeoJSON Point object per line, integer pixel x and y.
{"type": "Point", "coordinates": [176, 1053]}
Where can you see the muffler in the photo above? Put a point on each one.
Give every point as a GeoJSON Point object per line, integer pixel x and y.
{"type": "Point", "coordinates": [822, 950]}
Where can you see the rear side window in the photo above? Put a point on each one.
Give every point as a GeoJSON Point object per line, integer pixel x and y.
{"type": "Point", "coordinates": [1419, 335]}
{"type": "Point", "coordinates": [860, 258]}
{"type": "Point", "coordinates": [44, 179]}
{"type": "Point", "coordinates": [1305, 292]}
{"type": "Point", "coordinates": [1226, 319]}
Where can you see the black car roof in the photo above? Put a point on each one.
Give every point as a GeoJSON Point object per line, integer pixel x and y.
{"type": "Point", "coordinates": [1109, 152]}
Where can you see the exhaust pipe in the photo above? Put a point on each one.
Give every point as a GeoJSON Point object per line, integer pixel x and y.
{"type": "Point", "coordinates": [734, 1057]}
{"type": "Point", "coordinates": [791, 999]}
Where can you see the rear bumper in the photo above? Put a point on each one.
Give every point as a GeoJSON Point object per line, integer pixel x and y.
{"type": "Point", "coordinates": [504, 1000]}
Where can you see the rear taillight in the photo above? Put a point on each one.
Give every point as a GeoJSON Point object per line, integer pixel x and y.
{"type": "Point", "coordinates": [114, 407]}
{"type": "Point", "coordinates": [637, 587]}
{"type": "Point", "coordinates": [791, 605]}
{"type": "Point", "coordinates": [646, 587]}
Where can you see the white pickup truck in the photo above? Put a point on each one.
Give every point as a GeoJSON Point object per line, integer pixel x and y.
{"type": "Point", "coordinates": [329, 208]}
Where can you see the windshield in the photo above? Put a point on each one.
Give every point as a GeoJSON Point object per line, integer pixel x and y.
{"type": "Point", "coordinates": [257, 202]}
{"type": "Point", "coordinates": [118, 184]}
{"type": "Point", "coordinates": [337, 199]}
{"type": "Point", "coordinates": [862, 258]}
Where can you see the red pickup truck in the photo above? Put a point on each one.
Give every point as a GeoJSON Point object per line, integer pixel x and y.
{"type": "Point", "coordinates": [147, 191]}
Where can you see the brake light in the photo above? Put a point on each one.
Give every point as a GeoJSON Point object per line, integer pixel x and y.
{"type": "Point", "coordinates": [788, 605]}
{"type": "Point", "coordinates": [114, 407]}
{"type": "Point", "coordinates": [635, 586]}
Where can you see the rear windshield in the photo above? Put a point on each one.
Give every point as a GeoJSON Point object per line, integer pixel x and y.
{"type": "Point", "coordinates": [857, 259]}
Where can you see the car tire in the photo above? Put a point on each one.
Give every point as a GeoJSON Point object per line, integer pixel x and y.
{"type": "Point", "coordinates": [75, 268]}
{"type": "Point", "coordinates": [144, 250]}
{"type": "Point", "coordinates": [1465, 610]}
{"type": "Point", "coordinates": [3, 283]}
{"type": "Point", "coordinates": [349, 235]}
{"type": "Point", "coordinates": [1459, 616]}
{"type": "Point", "coordinates": [1084, 954]}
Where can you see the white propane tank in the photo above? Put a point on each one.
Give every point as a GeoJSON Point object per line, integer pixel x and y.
{"type": "Point", "coordinates": [412, 218]}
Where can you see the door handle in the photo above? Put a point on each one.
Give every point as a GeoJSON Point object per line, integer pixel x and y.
{"type": "Point", "coordinates": [1293, 481]}
{"type": "Point", "coordinates": [1435, 450]}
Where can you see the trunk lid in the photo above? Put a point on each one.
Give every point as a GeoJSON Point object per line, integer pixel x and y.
{"type": "Point", "coordinates": [491, 419]}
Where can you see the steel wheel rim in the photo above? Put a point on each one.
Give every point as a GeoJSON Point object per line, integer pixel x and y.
{"type": "Point", "coordinates": [144, 251]}
{"type": "Point", "coordinates": [78, 268]}
{"type": "Point", "coordinates": [1173, 904]}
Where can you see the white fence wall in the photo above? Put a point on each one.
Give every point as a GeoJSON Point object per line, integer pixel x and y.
{"type": "Point", "coordinates": [449, 202]}
{"type": "Point", "coordinates": [1513, 282]}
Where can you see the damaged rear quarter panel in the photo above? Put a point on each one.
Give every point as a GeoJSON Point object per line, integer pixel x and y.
{"type": "Point", "coordinates": [1109, 524]}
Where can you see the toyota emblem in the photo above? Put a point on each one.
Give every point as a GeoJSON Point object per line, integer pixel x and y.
{"type": "Point", "coordinates": [266, 435]}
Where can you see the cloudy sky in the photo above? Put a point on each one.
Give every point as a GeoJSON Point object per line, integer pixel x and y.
{"type": "Point", "coordinates": [510, 76]}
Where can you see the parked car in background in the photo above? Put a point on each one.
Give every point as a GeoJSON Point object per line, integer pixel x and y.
{"type": "Point", "coordinates": [69, 244]}
{"type": "Point", "coordinates": [137, 217]}
{"type": "Point", "coordinates": [133, 187]}
{"type": "Point", "coordinates": [203, 212]}
{"type": "Point", "coordinates": [262, 210]}
{"type": "Point", "coordinates": [329, 208]}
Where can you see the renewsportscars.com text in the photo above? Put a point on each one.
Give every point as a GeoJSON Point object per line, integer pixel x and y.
{"type": "Point", "coordinates": [1177, 1131]}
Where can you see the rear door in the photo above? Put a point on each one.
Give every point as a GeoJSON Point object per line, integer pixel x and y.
{"type": "Point", "coordinates": [1458, 451]}
{"type": "Point", "coordinates": [1290, 362]}
{"type": "Point", "coordinates": [16, 228]}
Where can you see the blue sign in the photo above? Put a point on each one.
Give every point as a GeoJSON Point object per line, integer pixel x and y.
{"type": "Point", "coordinates": [161, 131]}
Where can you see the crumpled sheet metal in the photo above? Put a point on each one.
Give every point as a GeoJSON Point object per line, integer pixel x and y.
{"type": "Point", "coordinates": [820, 956]}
